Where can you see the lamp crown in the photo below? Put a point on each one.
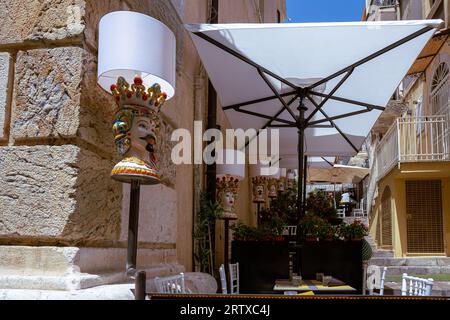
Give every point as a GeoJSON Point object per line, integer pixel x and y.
{"type": "Point", "coordinates": [227, 183]}
{"type": "Point", "coordinates": [137, 94]}
{"type": "Point", "coordinates": [259, 180]}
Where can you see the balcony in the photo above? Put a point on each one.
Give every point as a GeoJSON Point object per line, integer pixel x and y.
{"type": "Point", "coordinates": [382, 10]}
{"type": "Point", "coordinates": [414, 139]}
{"type": "Point", "coordinates": [384, 3]}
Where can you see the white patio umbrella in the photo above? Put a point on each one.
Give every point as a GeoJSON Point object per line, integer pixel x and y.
{"type": "Point", "coordinates": [340, 75]}
{"type": "Point", "coordinates": [337, 173]}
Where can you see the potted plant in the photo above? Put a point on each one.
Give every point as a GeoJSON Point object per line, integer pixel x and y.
{"type": "Point", "coordinates": [312, 227]}
{"type": "Point", "coordinates": [205, 219]}
{"type": "Point", "coordinates": [355, 231]}
{"type": "Point", "coordinates": [329, 232]}
{"type": "Point", "coordinates": [321, 204]}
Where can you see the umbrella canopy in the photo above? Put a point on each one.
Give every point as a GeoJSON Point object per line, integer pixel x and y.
{"type": "Point", "coordinates": [337, 70]}
{"type": "Point", "coordinates": [322, 85]}
{"type": "Point", "coordinates": [337, 174]}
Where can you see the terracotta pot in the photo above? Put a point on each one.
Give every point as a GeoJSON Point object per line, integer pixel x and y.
{"type": "Point", "coordinates": [310, 238]}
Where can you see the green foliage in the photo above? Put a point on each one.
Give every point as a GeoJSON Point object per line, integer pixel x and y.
{"type": "Point", "coordinates": [354, 231]}
{"type": "Point", "coordinates": [321, 204]}
{"type": "Point", "coordinates": [285, 206]}
{"type": "Point", "coordinates": [245, 232]}
{"type": "Point", "coordinates": [206, 216]}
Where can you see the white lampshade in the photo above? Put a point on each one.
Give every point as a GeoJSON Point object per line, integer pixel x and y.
{"type": "Point", "coordinates": [292, 174]}
{"type": "Point", "coordinates": [261, 170]}
{"type": "Point", "coordinates": [133, 44]}
{"type": "Point", "coordinates": [230, 162]}
{"type": "Point", "coordinates": [275, 173]}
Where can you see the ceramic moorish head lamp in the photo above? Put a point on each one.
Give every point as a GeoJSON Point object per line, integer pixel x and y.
{"type": "Point", "coordinates": [228, 175]}
{"type": "Point", "coordinates": [259, 181]}
{"type": "Point", "coordinates": [136, 64]}
{"type": "Point", "coordinates": [272, 183]}
{"type": "Point", "coordinates": [282, 180]}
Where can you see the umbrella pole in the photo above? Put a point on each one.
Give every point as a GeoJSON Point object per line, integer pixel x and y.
{"type": "Point", "coordinates": [300, 175]}
{"type": "Point", "coordinates": [305, 175]}
{"type": "Point", "coordinates": [301, 158]}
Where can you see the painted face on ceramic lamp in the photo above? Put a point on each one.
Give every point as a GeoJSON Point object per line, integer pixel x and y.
{"type": "Point", "coordinates": [143, 139]}
{"type": "Point", "coordinates": [259, 191]}
{"type": "Point", "coordinates": [228, 200]}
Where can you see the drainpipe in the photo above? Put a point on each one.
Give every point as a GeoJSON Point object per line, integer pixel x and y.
{"type": "Point", "coordinates": [212, 124]}
{"type": "Point", "coordinates": [212, 114]}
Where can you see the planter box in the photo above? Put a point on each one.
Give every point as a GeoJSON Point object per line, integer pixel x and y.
{"type": "Point", "coordinates": [260, 264]}
{"type": "Point", "coordinates": [340, 259]}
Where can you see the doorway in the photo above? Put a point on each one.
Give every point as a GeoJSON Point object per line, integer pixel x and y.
{"type": "Point", "coordinates": [424, 216]}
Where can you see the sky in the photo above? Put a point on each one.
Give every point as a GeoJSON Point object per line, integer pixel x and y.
{"type": "Point", "coordinates": [324, 10]}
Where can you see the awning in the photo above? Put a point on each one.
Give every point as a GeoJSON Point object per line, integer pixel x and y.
{"type": "Point", "coordinates": [429, 52]}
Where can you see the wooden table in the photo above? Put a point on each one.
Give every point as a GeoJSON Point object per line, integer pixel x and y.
{"type": "Point", "coordinates": [316, 286]}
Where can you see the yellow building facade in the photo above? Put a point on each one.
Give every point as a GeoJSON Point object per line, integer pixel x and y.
{"type": "Point", "coordinates": [410, 211]}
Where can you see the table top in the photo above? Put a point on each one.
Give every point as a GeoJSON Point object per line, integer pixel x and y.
{"type": "Point", "coordinates": [312, 285]}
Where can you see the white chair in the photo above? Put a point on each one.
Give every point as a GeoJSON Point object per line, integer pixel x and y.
{"type": "Point", "coordinates": [171, 284]}
{"type": "Point", "coordinates": [414, 286]}
{"type": "Point", "coordinates": [340, 213]}
{"type": "Point", "coordinates": [223, 279]}
{"type": "Point", "coordinates": [358, 213]}
{"type": "Point", "coordinates": [375, 279]}
{"type": "Point", "coordinates": [290, 231]}
{"type": "Point", "coordinates": [234, 277]}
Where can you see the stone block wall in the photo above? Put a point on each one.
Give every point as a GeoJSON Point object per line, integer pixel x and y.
{"type": "Point", "coordinates": [57, 149]}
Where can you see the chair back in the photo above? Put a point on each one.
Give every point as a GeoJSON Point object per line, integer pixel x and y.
{"type": "Point", "coordinates": [375, 279]}
{"type": "Point", "coordinates": [414, 286]}
{"type": "Point", "coordinates": [234, 277]}
{"type": "Point", "coordinates": [358, 213]}
{"type": "Point", "coordinates": [290, 231]}
{"type": "Point", "coordinates": [340, 213]}
{"type": "Point", "coordinates": [223, 279]}
{"type": "Point", "coordinates": [171, 284]}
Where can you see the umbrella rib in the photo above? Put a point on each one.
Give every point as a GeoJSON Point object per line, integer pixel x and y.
{"type": "Point", "coordinates": [271, 120]}
{"type": "Point", "coordinates": [374, 55]}
{"type": "Point", "coordinates": [289, 126]}
{"type": "Point", "coordinates": [243, 104]}
{"type": "Point", "coordinates": [260, 115]}
{"type": "Point", "coordinates": [243, 58]}
{"type": "Point", "coordinates": [261, 73]}
{"type": "Point", "coordinates": [268, 123]}
{"type": "Point", "coordinates": [336, 127]}
{"type": "Point", "coordinates": [349, 101]}
{"type": "Point", "coordinates": [341, 82]}
{"type": "Point", "coordinates": [327, 161]}
{"type": "Point", "coordinates": [350, 114]}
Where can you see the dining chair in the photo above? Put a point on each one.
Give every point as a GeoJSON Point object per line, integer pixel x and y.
{"type": "Point", "coordinates": [358, 213]}
{"type": "Point", "coordinates": [292, 230]}
{"type": "Point", "coordinates": [234, 277]}
{"type": "Point", "coordinates": [340, 213]}
{"type": "Point", "coordinates": [415, 286]}
{"type": "Point", "coordinates": [223, 279]}
{"type": "Point", "coordinates": [170, 284]}
{"type": "Point", "coordinates": [375, 279]}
